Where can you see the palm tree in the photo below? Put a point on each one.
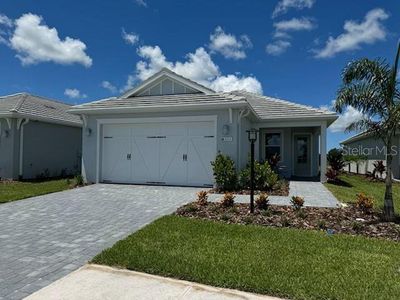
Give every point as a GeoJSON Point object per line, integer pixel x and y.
{"type": "Point", "coordinates": [371, 86]}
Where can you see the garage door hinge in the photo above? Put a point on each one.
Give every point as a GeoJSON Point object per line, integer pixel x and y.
{"type": "Point", "coordinates": [208, 136]}
{"type": "Point", "coordinates": [108, 137]}
{"type": "Point", "coordinates": [157, 137]}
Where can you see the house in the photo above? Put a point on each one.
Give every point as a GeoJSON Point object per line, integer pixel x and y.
{"type": "Point", "coordinates": [370, 149]}
{"type": "Point", "coordinates": [168, 129]}
{"type": "Point", "coordinates": [38, 138]}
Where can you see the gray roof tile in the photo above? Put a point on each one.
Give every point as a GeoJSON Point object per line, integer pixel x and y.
{"type": "Point", "coordinates": [35, 107]}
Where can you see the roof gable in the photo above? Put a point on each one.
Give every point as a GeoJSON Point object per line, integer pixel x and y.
{"type": "Point", "coordinates": [166, 82]}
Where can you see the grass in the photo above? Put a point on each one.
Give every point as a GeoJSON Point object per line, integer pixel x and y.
{"type": "Point", "coordinates": [17, 190]}
{"type": "Point", "coordinates": [282, 262]}
{"type": "Point", "coordinates": [353, 184]}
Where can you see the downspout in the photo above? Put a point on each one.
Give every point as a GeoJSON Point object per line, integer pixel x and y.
{"type": "Point", "coordinates": [242, 114]}
{"type": "Point", "coordinates": [20, 125]}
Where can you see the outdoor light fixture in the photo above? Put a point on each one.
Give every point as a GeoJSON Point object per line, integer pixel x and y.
{"type": "Point", "coordinates": [225, 129]}
{"type": "Point", "coordinates": [252, 135]}
{"type": "Point", "coordinates": [88, 131]}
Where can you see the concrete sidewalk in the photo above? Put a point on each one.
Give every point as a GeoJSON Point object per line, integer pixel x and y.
{"type": "Point", "coordinates": [94, 282]}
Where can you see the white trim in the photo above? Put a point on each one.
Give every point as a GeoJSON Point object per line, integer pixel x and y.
{"type": "Point", "coordinates": [9, 122]}
{"type": "Point", "coordinates": [100, 122]}
{"type": "Point", "coordinates": [311, 151]}
{"type": "Point", "coordinates": [84, 119]}
{"type": "Point", "coordinates": [263, 131]}
{"type": "Point", "coordinates": [171, 75]}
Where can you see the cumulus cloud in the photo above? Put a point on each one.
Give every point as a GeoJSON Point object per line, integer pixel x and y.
{"type": "Point", "coordinates": [74, 94]}
{"type": "Point", "coordinates": [277, 47]}
{"type": "Point", "coordinates": [141, 3]}
{"type": "Point", "coordinates": [228, 44]}
{"type": "Point", "coordinates": [284, 5]}
{"type": "Point", "coordinates": [35, 42]}
{"type": "Point", "coordinates": [130, 38]}
{"type": "Point", "coordinates": [109, 86]}
{"type": "Point", "coordinates": [295, 24]}
{"type": "Point", "coordinates": [282, 30]}
{"type": "Point", "coordinates": [349, 116]}
{"type": "Point", "coordinates": [197, 66]}
{"type": "Point", "coordinates": [369, 31]}
{"type": "Point", "coordinates": [6, 21]}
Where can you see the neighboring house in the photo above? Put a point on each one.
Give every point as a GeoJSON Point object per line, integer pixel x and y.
{"type": "Point", "coordinates": [38, 138]}
{"type": "Point", "coordinates": [370, 149]}
{"type": "Point", "coordinates": [169, 128]}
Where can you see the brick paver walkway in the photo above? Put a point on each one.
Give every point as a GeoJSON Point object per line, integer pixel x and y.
{"type": "Point", "coordinates": [46, 237]}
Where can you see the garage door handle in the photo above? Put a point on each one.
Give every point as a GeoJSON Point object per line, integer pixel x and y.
{"type": "Point", "coordinates": [184, 157]}
{"type": "Point", "coordinates": [128, 156]}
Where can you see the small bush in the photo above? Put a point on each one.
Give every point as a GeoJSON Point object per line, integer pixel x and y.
{"type": "Point", "coordinates": [228, 200]}
{"type": "Point", "coordinates": [262, 201]}
{"type": "Point", "coordinates": [264, 177]}
{"type": "Point", "coordinates": [364, 202]}
{"type": "Point", "coordinates": [335, 159]}
{"type": "Point", "coordinates": [79, 180]}
{"type": "Point", "coordinates": [321, 224]}
{"type": "Point", "coordinates": [379, 168]}
{"type": "Point", "coordinates": [224, 173]}
{"type": "Point", "coordinates": [301, 214]}
{"type": "Point", "coordinates": [297, 202]}
{"type": "Point", "coordinates": [189, 208]}
{"type": "Point", "coordinates": [225, 217]}
{"type": "Point", "coordinates": [285, 222]}
{"type": "Point", "coordinates": [248, 219]}
{"type": "Point", "coordinates": [202, 198]}
{"type": "Point", "coordinates": [332, 175]}
{"type": "Point", "coordinates": [357, 226]}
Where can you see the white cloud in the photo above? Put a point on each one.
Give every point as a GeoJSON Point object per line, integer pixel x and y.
{"type": "Point", "coordinates": [109, 86]}
{"type": "Point", "coordinates": [229, 45]}
{"type": "Point", "coordinates": [74, 94]}
{"type": "Point", "coordinates": [349, 116]}
{"type": "Point", "coordinates": [141, 3]}
{"type": "Point", "coordinates": [130, 38]}
{"type": "Point", "coordinates": [294, 24]}
{"type": "Point", "coordinates": [284, 5]}
{"type": "Point", "coordinates": [6, 21]}
{"type": "Point", "coordinates": [197, 66]}
{"type": "Point", "coordinates": [36, 42]}
{"type": "Point", "coordinates": [277, 47]}
{"type": "Point", "coordinates": [369, 31]}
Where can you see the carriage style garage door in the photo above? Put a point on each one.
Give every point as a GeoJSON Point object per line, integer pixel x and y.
{"type": "Point", "coordinates": [159, 153]}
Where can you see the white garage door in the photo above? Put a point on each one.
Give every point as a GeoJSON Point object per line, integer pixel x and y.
{"type": "Point", "coordinates": [159, 153]}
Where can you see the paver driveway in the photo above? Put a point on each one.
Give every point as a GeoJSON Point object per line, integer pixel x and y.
{"type": "Point", "coordinates": [44, 238]}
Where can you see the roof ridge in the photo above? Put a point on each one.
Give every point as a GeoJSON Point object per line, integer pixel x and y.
{"type": "Point", "coordinates": [19, 103]}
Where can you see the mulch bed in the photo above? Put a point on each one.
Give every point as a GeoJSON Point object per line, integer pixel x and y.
{"type": "Point", "coordinates": [281, 189]}
{"type": "Point", "coordinates": [348, 220]}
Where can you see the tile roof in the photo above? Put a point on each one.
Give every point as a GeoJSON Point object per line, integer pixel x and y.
{"type": "Point", "coordinates": [268, 108]}
{"type": "Point", "coordinates": [161, 101]}
{"type": "Point", "coordinates": [39, 108]}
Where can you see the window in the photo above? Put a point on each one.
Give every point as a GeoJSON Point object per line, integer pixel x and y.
{"type": "Point", "coordinates": [273, 145]}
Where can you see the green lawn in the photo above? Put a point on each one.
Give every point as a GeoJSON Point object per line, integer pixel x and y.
{"type": "Point", "coordinates": [283, 262]}
{"type": "Point", "coordinates": [17, 190]}
{"type": "Point", "coordinates": [359, 184]}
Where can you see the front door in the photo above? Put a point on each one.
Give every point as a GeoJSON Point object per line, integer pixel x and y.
{"type": "Point", "coordinates": [302, 155]}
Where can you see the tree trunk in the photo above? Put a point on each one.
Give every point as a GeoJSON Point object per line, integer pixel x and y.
{"type": "Point", "coordinates": [388, 208]}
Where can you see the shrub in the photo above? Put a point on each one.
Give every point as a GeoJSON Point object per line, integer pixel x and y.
{"type": "Point", "coordinates": [357, 226]}
{"type": "Point", "coordinates": [228, 200]}
{"type": "Point", "coordinates": [202, 198]}
{"type": "Point", "coordinates": [335, 159]}
{"type": "Point", "coordinates": [273, 161]}
{"type": "Point", "coordinates": [321, 224]}
{"type": "Point", "coordinates": [332, 175]}
{"type": "Point", "coordinates": [379, 167]}
{"type": "Point", "coordinates": [79, 180]}
{"type": "Point", "coordinates": [264, 177]}
{"type": "Point", "coordinates": [189, 208]}
{"type": "Point", "coordinates": [297, 202]}
{"type": "Point", "coordinates": [262, 201]}
{"type": "Point", "coordinates": [224, 173]}
{"type": "Point", "coordinates": [364, 202]}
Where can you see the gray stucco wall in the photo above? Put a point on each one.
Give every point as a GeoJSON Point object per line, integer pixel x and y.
{"type": "Point", "coordinates": [9, 141]}
{"type": "Point", "coordinates": [51, 149]}
{"type": "Point", "coordinates": [238, 149]}
{"type": "Point", "coordinates": [374, 149]}
{"type": "Point", "coordinates": [89, 154]}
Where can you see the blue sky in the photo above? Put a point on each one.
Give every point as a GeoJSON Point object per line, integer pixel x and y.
{"type": "Point", "coordinates": [291, 49]}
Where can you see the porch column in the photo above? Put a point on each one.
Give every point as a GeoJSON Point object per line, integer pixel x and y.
{"type": "Point", "coordinates": [323, 151]}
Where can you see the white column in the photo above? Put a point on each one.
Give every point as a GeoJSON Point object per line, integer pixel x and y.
{"type": "Point", "coordinates": [323, 151]}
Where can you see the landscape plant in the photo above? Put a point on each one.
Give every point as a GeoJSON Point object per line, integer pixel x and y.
{"type": "Point", "coordinates": [224, 173]}
{"type": "Point", "coordinates": [372, 87]}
